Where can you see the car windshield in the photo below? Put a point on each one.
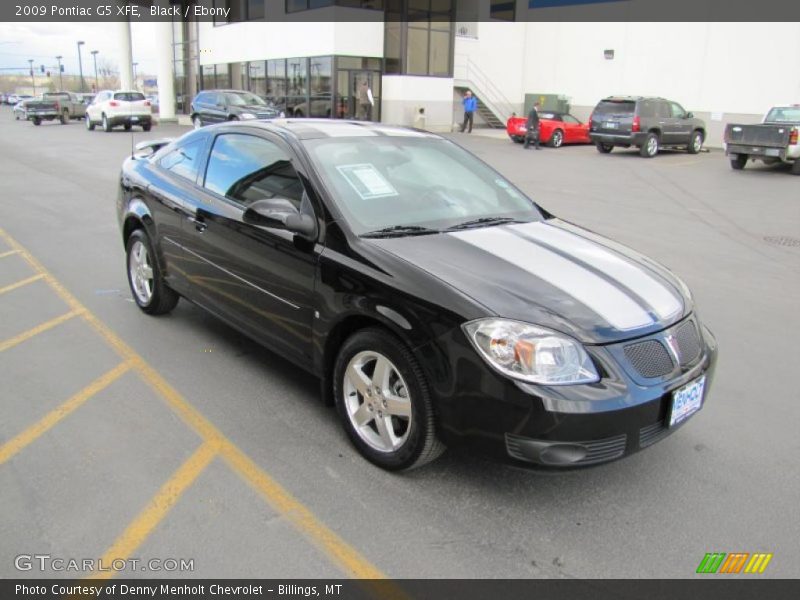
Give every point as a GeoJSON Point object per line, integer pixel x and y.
{"type": "Point", "coordinates": [607, 107]}
{"type": "Point", "coordinates": [385, 181]}
{"type": "Point", "coordinates": [789, 114]}
{"type": "Point", "coordinates": [243, 99]}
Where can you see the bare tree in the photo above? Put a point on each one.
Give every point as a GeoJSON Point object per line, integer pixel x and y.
{"type": "Point", "coordinates": [108, 73]}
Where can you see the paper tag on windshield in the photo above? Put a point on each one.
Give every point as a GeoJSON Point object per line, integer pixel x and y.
{"type": "Point", "coordinates": [367, 181]}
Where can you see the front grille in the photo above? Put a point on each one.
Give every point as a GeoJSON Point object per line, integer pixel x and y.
{"type": "Point", "coordinates": [652, 433]}
{"type": "Point", "coordinates": [688, 342]}
{"type": "Point", "coordinates": [650, 358]}
{"type": "Point", "coordinates": [603, 450]}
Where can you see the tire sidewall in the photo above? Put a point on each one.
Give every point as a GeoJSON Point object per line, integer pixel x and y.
{"type": "Point", "coordinates": [392, 348]}
{"type": "Point", "coordinates": [694, 148]}
{"type": "Point", "coordinates": [557, 139]}
{"type": "Point", "coordinates": [158, 285]}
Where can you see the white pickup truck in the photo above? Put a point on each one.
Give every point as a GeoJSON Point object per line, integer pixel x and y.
{"type": "Point", "coordinates": [774, 140]}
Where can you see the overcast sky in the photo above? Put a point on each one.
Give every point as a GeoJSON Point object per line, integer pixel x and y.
{"type": "Point", "coordinates": [44, 41]}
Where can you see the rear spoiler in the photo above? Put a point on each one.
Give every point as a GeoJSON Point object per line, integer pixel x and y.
{"type": "Point", "coordinates": [148, 147]}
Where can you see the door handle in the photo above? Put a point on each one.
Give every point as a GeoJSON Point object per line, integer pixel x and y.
{"type": "Point", "coordinates": [199, 224]}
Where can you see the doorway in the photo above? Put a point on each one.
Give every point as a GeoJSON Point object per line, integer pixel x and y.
{"type": "Point", "coordinates": [358, 95]}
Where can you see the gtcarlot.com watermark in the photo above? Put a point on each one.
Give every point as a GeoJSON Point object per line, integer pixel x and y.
{"type": "Point", "coordinates": [47, 562]}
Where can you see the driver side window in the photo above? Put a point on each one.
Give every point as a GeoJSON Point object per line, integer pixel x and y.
{"type": "Point", "coordinates": [245, 168]}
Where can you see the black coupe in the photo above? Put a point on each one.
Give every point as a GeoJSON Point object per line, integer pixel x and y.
{"type": "Point", "coordinates": [436, 302]}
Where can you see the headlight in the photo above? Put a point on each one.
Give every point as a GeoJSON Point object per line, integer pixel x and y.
{"type": "Point", "coordinates": [530, 353]}
{"type": "Point", "coordinates": [247, 116]}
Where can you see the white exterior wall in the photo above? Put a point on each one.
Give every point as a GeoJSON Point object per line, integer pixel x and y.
{"type": "Point", "coordinates": [404, 95]}
{"type": "Point", "coordinates": [238, 42]}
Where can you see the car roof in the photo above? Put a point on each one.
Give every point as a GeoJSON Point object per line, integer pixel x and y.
{"type": "Point", "coordinates": [309, 129]}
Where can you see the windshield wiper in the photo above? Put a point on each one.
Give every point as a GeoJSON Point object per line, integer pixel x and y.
{"type": "Point", "coordinates": [483, 222]}
{"type": "Point", "coordinates": [399, 230]}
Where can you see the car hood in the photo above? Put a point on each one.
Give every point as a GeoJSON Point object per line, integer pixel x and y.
{"type": "Point", "coordinates": [553, 274]}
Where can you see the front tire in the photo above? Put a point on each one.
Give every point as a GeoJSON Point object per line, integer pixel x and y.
{"type": "Point", "coordinates": [37, 122]}
{"type": "Point", "coordinates": [384, 403]}
{"type": "Point", "coordinates": [149, 290]}
{"type": "Point", "coordinates": [695, 142]}
{"type": "Point", "coordinates": [604, 148]}
{"type": "Point", "coordinates": [557, 139]}
{"type": "Point", "coordinates": [650, 147]}
{"type": "Point", "coordinates": [197, 122]}
{"type": "Point", "coordinates": [738, 163]}
{"type": "Point", "coordinates": [147, 126]}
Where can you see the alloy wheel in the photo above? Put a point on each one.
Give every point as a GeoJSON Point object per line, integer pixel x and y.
{"type": "Point", "coordinates": [377, 401]}
{"type": "Point", "coordinates": [141, 272]}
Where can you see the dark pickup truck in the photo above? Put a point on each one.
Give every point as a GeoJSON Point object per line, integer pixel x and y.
{"type": "Point", "coordinates": [772, 141]}
{"type": "Point", "coordinates": [56, 105]}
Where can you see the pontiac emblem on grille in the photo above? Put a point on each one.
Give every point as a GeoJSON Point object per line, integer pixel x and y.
{"type": "Point", "coordinates": [672, 344]}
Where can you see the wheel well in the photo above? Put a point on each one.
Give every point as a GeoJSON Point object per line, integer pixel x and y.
{"type": "Point", "coordinates": [656, 131]}
{"type": "Point", "coordinates": [131, 225]}
{"type": "Point", "coordinates": [701, 130]}
{"type": "Point", "coordinates": [337, 336]}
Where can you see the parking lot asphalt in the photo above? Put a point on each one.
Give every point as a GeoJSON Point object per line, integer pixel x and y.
{"type": "Point", "coordinates": [124, 435]}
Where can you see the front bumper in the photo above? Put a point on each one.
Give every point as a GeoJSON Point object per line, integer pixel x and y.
{"type": "Point", "coordinates": [563, 426]}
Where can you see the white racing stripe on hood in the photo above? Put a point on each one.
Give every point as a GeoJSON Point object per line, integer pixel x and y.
{"type": "Point", "coordinates": [608, 301]}
{"type": "Point", "coordinates": [658, 296]}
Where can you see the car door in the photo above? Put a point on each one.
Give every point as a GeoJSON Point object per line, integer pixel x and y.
{"type": "Point", "coordinates": [258, 278]}
{"type": "Point", "coordinates": [681, 125]}
{"type": "Point", "coordinates": [96, 108]}
{"type": "Point", "coordinates": [574, 131]}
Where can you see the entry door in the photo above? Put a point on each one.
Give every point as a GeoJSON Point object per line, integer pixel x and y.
{"type": "Point", "coordinates": [363, 85]}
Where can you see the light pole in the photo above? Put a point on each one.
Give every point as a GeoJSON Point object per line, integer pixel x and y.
{"type": "Point", "coordinates": [134, 75]}
{"type": "Point", "coordinates": [33, 81]}
{"type": "Point", "coordinates": [80, 63]}
{"type": "Point", "coordinates": [60, 74]}
{"type": "Point", "coordinates": [96, 81]}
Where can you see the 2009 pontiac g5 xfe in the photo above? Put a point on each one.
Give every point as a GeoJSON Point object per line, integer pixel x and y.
{"type": "Point", "coordinates": [437, 303]}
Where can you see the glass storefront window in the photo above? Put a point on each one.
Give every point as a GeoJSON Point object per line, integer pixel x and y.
{"type": "Point", "coordinates": [417, 54]}
{"type": "Point", "coordinates": [223, 78]}
{"type": "Point", "coordinates": [320, 75]}
{"type": "Point", "coordinates": [207, 76]}
{"type": "Point", "coordinates": [297, 76]}
{"type": "Point", "coordinates": [258, 78]}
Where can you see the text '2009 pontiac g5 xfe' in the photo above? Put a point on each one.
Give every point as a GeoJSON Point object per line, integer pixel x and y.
{"type": "Point", "coordinates": [437, 303]}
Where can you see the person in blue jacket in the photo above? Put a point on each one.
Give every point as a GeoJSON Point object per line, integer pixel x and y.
{"type": "Point", "coordinates": [470, 106]}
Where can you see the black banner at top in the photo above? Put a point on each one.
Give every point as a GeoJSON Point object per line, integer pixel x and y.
{"type": "Point", "coordinates": [222, 12]}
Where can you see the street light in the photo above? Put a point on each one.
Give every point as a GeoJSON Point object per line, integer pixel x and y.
{"type": "Point", "coordinates": [96, 81]}
{"type": "Point", "coordinates": [33, 81]}
{"type": "Point", "coordinates": [80, 63]}
{"type": "Point", "coordinates": [134, 74]}
{"type": "Point", "coordinates": [60, 74]}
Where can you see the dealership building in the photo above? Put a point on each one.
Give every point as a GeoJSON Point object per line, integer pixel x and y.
{"type": "Point", "coordinates": [318, 58]}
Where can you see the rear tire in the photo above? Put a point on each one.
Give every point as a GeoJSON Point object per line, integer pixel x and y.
{"type": "Point", "coordinates": [395, 411]}
{"type": "Point", "coordinates": [37, 122]}
{"type": "Point", "coordinates": [796, 167]}
{"type": "Point", "coordinates": [197, 122]}
{"type": "Point", "coordinates": [106, 124]}
{"type": "Point", "coordinates": [738, 163]}
{"type": "Point", "coordinates": [557, 139]}
{"type": "Point", "coordinates": [650, 147]}
{"type": "Point", "coordinates": [64, 118]}
{"type": "Point", "coordinates": [127, 127]}
{"type": "Point", "coordinates": [147, 126]}
{"type": "Point", "coordinates": [149, 290]}
{"type": "Point", "coordinates": [695, 142]}
{"type": "Point", "coordinates": [604, 148]}
{"type": "Point", "coordinates": [89, 124]}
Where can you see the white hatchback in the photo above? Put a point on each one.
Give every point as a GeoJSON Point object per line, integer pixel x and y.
{"type": "Point", "coordinates": [121, 107]}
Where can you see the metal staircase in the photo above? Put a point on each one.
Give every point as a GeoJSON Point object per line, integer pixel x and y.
{"type": "Point", "coordinates": [493, 106]}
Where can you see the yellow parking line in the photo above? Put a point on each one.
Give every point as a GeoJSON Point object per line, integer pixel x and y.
{"type": "Point", "coordinates": [25, 335]}
{"type": "Point", "coordinates": [344, 555]}
{"type": "Point", "coordinates": [9, 253]}
{"type": "Point", "coordinates": [19, 284]}
{"type": "Point", "coordinates": [152, 514]}
{"type": "Point", "coordinates": [19, 442]}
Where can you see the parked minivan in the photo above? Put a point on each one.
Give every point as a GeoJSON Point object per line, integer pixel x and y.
{"type": "Point", "coordinates": [647, 123]}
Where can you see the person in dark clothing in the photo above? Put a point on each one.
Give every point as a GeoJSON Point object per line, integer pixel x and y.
{"type": "Point", "coordinates": [470, 106]}
{"type": "Point", "coordinates": [532, 126]}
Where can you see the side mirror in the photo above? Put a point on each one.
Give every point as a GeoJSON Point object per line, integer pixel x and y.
{"type": "Point", "coordinates": [280, 213]}
{"type": "Point", "coordinates": [689, 115]}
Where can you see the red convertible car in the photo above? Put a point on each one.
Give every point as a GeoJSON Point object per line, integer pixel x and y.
{"type": "Point", "coordinates": [555, 129]}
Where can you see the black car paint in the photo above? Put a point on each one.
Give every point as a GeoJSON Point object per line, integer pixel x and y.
{"type": "Point", "coordinates": [210, 113]}
{"type": "Point", "coordinates": [319, 291]}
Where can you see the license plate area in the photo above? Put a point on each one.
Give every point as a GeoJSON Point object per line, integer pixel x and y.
{"type": "Point", "coordinates": [686, 401]}
{"type": "Point", "coordinates": [611, 125]}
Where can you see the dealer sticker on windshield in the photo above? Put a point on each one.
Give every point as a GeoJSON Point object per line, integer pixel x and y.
{"type": "Point", "coordinates": [687, 400]}
{"type": "Point", "coordinates": [367, 181]}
